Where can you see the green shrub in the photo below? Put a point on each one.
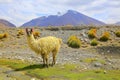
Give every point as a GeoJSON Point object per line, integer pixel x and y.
{"type": "Point", "coordinates": [74, 42]}
{"type": "Point", "coordinates": [94, 42]}
{"type": "Point", "coordinates": [92, 33]}
{"type": "Point", "coordinates": [117, 33]}
{"type": "Point", "coordinates": [105, 36]}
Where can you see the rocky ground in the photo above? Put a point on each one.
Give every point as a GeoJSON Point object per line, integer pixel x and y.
{"type": "Point", "coordinates": [105, 56]}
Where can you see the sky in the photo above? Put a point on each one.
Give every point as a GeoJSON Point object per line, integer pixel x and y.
{"type": "Point", "coordinates": [20, 11]}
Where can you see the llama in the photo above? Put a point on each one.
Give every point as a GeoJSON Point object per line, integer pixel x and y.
{"type": "Point", "coordinates": [44, 46]}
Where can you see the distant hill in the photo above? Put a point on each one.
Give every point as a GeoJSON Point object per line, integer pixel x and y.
{"type": "Point", "coordinates": [70, 18]}
{"type": "Point", "coordinates": [5, 23]}
{"type": "Point", "coordinates": [118, 23]}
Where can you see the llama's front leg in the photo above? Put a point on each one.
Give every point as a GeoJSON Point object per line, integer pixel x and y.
{"type": "Point", "coordinates": [46, 58]}
{"type": "Point", "coordinates": [43, 57]}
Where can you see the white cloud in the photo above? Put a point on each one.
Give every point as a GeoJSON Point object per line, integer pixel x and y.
{"type": "Point", "coordinates": [21, 11]}
{"type": "Point", "coordinates": [5, 1]}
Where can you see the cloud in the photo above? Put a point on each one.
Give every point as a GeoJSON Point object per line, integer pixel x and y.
{"type": "Point", "coordinates": [5, 1]}
{"type": "Point", "coordinates": [21, 11]}
{"type": "Point", "coordinates": [104, 10]}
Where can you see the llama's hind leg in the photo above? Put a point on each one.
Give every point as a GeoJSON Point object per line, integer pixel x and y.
{"type": "Point", "coordinates": [47, 64]}
{"type": "Point", "coordinates": [46, 60]}
{"type": "Point", "coordinates": [54, 57]}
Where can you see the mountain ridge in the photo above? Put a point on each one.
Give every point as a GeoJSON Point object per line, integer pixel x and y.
{"type": "Point", "coordinates": [71, 17]}
{"type": "Point", "coordinates": [5, 23]}
{"type": "Point", "coordinates": [118, 23]}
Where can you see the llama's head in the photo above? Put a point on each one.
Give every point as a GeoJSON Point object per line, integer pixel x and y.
{"type": "Point", "coordinates": [29, 32]}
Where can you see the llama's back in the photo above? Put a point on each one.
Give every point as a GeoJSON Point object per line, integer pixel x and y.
{"type": "Point", "coordinates": [49, 43]}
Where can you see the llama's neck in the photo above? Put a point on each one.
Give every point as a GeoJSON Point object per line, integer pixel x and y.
{"type": "Point", "coordinates": [32, 42]}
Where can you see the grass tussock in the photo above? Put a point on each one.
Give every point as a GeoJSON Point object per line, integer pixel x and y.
{"type": "Point", "coordinates": [60, 72]}
{"type": "Point", "coordinates": [36, 34]}
{"type": "Point", "coordinates": [105, 36]}
{"type": "Point", "coordinates": [92, 33]}
{"type": "Point", "coordinates": [117, 33]}
{"type": "Point", "coordinates": [74, 42]}
{"type": "Point", "coordinates": [20, 32]}
{"type": "Point", "coordinates": [94, 42]}
{"type": "Point", "coordinates": [3, 35]}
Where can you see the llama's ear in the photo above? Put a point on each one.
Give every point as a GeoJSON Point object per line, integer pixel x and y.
{"type": "Point", "coordinates": [26, 29]}
{"type": "Point", "coordinates": [31, 30]}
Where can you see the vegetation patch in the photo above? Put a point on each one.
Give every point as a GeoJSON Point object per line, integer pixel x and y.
{"type": "Point", "coordinates": [117, 33]}
{"type": "Point", "coordinates": [3, 35]}
{"type": "Point", "coordinates": [74, 42]}
{"type": "Point", "coordinates": [92, 33]}
{"type": "Point", "coordinates": [20, 32]}
{"type": "Point", "coordinates": [90, 60]}
{"type": "Point", "coordinates": [94, 42]}
{"type": "Point", "coordinates": [58, 72]}
{"type": "Point", "coordinates": [36, 34]}
{"type": "Point", "coordinates": [105, 36]}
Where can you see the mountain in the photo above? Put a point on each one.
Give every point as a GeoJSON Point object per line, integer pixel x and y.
{"type": "Point", "coordinates": [71, 17]}
{"type": "Point", "coordinates": [5, 23]}
{"type": "Point", "coordinates": [118, 23]}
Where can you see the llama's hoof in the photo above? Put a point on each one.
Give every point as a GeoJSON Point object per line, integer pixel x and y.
{"type": "Point", "coordinates": [47, 66]}
{"type": "Point", "coordinates": [43, 65]}
{"type": "Point", "coordinates": [52, 65]}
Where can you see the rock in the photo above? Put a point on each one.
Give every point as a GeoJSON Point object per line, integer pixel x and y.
{"type": "Point", "coordinates": [109, 63]}
{"type": "Point", "coordinates": [105, 72]}
{"type": "Point", "coordinates": [77, 58]}
{"type": "Point", "coordinates": [0, 53]}
{"type": "Point", "coordinates": [109, 60]}
{"type": "Point", "coordinates": [113, 67]}
{"type": "Point", "coordinates": [33, 79]}
{"type": "Point", "coordinates": [97, 64]}
{"type": "Point", "coordinates": [62, 32]}
{"type": "Point", "coordinates": [84, 46]}
{"type": "Point", "coordinates": [82, 39]}
{"type": "Point", "coordinates": [86, 40]}
{"type": "Point", "coordinates": [108, 51]}
{"type": "Point", "coordinates": [85, 68]}
{"type": "Point", "coordinates": [102, 53]}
